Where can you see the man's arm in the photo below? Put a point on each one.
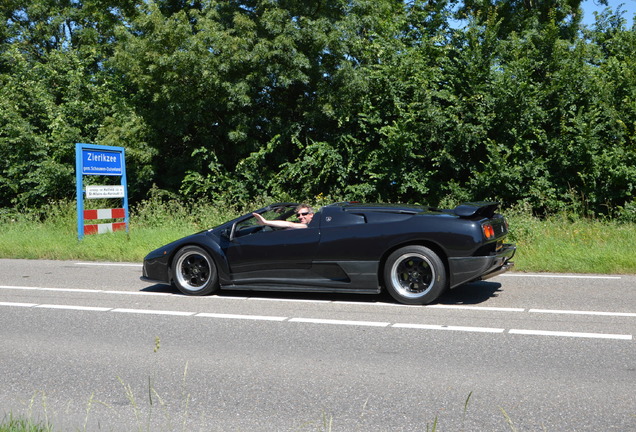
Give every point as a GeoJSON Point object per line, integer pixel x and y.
{"type": "Point", "coordinates": [277, 223]}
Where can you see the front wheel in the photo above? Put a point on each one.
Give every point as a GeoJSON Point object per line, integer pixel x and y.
{"type": "Point", "coordinates": [194, 271]}
{"type": "Point", "coordinates": [414, 275]}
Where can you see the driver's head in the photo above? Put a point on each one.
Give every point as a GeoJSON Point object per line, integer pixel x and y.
{"type": "Point", "coordinates": [304, 214]}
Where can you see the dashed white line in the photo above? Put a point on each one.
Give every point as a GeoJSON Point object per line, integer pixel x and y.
{"type": "Point", "coordinates": [70, 307]}
{"type": "Point", "coordinates": [574, 312]}
{"type": "Point", "coordinates": [325, 321]}
{"type": "Point", "coordinates": [478, 308]}
{"type": "Point", "coordinates": [510, 274]}
{"type": "Point", "coordinates": [91, 291]}
{"type": "Point", "coordinates": [286, 300]}
{"type": "Point", "coordinates": [152, 312]}
{"type": "Point", "coordinates": [28, 305]}
{"type": "Point", "coordinates": [214, 298]}
{"type": "Point", "coordinates": [30, 288]}
{"type": "Point", "coordinates": [571, 334]}
{"type": "Point", "coordinates": [340, 322]}
{"type": "Point", "coordinates": [558, 276]}
{"type": "Point", "coordinates": [241, 317]}
{"type": "Point", "coordinates": [135, 293]}
{"type": "Point", "coordinates": [451, 328]}
{"type": "Point", "coordinates": [376, 304]}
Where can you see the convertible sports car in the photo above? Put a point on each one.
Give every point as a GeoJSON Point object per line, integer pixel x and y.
{"type": "Point", "coordinates": [415, 252]}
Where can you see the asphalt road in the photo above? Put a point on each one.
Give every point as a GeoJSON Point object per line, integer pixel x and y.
{"type": "Point", "coordinates": [88, 346]}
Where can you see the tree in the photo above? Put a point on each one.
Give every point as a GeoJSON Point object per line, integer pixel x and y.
{"type": "Point", "coordinates": [355, 99]}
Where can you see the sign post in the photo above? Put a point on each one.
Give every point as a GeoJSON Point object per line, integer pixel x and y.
{"type": "Point", "coordinates": [99, 160]}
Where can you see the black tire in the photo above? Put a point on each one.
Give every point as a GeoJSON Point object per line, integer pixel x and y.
{"type": "Point", "coordinates": [414, 275]}
{"type": "Point", "coordinates": [194, 271]}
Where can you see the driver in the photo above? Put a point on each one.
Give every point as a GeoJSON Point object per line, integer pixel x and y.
{"type": "Point", "coordinates": [304, 213]}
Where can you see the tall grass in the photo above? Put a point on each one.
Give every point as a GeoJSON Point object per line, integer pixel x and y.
{"type": "Point", "coordinates": [21, 424]}
{"type": "Point", "coordinates": [559, 243]}
{"type": "Point", "coordinates": [51, 233]}
{"type": "Point", "coordinates": [569, 243]}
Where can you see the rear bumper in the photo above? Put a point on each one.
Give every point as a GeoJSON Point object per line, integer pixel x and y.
{"type": "Point", "coordinates": [502, 269]}
{"type": "Point", "coordinates": [469, 269]}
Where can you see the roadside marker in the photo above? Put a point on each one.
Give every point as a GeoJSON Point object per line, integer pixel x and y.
{"type": "Point", "coordinates": [98, 160]}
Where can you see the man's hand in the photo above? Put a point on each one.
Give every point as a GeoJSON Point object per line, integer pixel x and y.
{"type": "Point", "coordinates": [259, 219]}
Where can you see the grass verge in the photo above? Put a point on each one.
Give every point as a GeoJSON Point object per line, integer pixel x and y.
{"type": "Point", "coordinates": [561, 243]}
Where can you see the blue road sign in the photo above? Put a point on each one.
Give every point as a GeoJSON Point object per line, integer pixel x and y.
{"type": "Point", "coordinates": [99, 162]}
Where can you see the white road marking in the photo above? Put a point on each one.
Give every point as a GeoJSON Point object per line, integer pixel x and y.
{"type": "Point", "coordinates": [18, 304]}
{"type": "Point", "coordinates": [340, 322]}
{"type": "Point", "coordinates": [286, 300]}
{"type": "Point", "coordinates": [243, 317]}
{"type": "Point", "coordinates": [571, 334]}
{"type": "Point", "coordinates": [93, 291]}
{"type": "Point", "coordinates": [478, 308]}
{"type": "Point", "coordinates": [214, 298]}
{"type": "Point", "coordinates": [573, 312]}
{"type": "Point", "coordinates": [558, 276]}
{"type": "Point", "coordinates": [70, 307]}
{"type": "Point", "coordinates": [511, 274]}
{"type": "Point", "coordinates": [29, 288]}
{"type": "Point", "coordinates": [452, 328]}
{"type": "Point", "coordinates": [153, 312]}
{"type": "Point", "coordinates": [136, 293]}
{"type": "Point", "coordinates": [325, 321]}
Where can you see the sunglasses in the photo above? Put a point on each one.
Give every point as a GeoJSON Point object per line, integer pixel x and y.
{"type": "Point", "coordinates": [302, 214]}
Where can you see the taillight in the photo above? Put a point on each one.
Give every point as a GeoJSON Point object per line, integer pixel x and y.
{"type": "Point", "coordinates": [489, 231]}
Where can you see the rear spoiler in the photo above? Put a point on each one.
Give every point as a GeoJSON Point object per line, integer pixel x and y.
{"type": "Point", "coordinates": [482, 208]}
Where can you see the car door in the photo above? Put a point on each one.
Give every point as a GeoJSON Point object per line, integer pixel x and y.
{"type": "Point", "coordinates": [267, 253]}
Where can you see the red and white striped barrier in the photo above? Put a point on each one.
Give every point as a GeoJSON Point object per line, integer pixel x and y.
{"type": "Point", "coordinates": [117, 213]}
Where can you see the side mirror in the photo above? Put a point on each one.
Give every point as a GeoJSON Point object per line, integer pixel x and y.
{"type": "Point", "coordinates": [225, 233]}
{"type": "Point", "coordinates": [232, 233]}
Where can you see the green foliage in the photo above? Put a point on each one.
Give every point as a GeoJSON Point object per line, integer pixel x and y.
{"type": "Point", "coordinates": [231, 102]}
{"type": "Point", "coordinates": [162, 210]}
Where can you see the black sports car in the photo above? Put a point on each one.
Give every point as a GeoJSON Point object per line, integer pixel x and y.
{"type": "Point", "coordinates": [414, 251]}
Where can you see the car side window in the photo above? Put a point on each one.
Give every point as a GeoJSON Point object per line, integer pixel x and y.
{"type": "Point", "coordinates": [246, 227]}
{"type": "Point", "coordinates": [251, 226]}
{"type": "Point", "coordinates": [278, 214]}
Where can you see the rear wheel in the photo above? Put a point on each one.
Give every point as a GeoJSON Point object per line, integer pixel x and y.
{"type": "Point", "coordinates": [414, 275]}
{"type": "Point", "coordinates": [194, 271]}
